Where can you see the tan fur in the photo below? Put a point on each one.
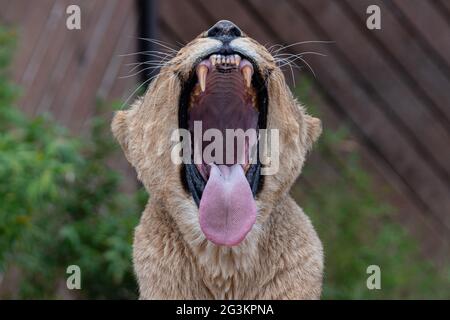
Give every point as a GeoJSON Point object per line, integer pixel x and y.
{"type": "Point", "coordinates": [281, 258]}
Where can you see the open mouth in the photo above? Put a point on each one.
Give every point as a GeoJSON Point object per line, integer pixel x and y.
{"type": "Point", "coordinates": [225, 93]}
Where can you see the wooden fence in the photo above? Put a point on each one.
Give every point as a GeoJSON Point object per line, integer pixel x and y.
{"type": "Point", "coordinates": [390, 86]}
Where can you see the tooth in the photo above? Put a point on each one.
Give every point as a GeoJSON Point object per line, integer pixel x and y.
{"type": "Point", "coordinates": [228, 60]}
{"type": "Point", "coordinates": [237, 59]}
{"type": "Point", "coordinates": [212, 59]}
{"type": "Point", "coordinates": [247, 73]}
{"type": "Point", "coordinates": [223, 59]}
{"type": "Point", "coordinates": [232, 59]}
{"type": "Point", "coordinates": [202, 71]}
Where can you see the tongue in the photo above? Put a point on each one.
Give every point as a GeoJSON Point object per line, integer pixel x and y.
{"type": "Point", "coordinates": [227, 208]}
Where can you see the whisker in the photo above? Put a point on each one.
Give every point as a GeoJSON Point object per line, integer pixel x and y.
{"type": "Point", "coordinates": [160, 43]}
{"type": "Point", "coordinates": [140, 71]}
{"type": "Point", "coordinates": [300, 54]}
{"type": "Point", "coordinates": [303, 42]}
{"type": "Point", "coordinates": [155, 64]}
{"type": "Point", "coordinates": [310, 68]}
{"type": "Point", "coordinates": [290, 64]}
{"type": "Point", "coordinates": [292, 75]}
{"type": "Point", "coordinates": [145, 62]}
{"type": "Point", "coordinates": [273, 47]}
{"type": "Point", "coordinates": [149, 53]}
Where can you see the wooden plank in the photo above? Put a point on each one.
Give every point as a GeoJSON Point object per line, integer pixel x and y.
{"type": "Point", "coordinates": [45, 52]}
{"type": "Point", "coordinates": [428, 24]}
{"type": "Point", "coordinates": [85, 101]}
{"type": "Point", "coordinates": [445, 4]}
{"type": "Point", "coordinates": [394, 97]}
{"type": "Point", "coordinates": [179, 18]}
{"type": "Point", "coordinates": [433, 238]}
{"type": "Point", "coordinates": [74, 62]}
{"type": "Point", "coordinates": [33, 21]}
{"type": "Point", "coordinates": [62, 78]}
{"type": "Point", "coordinates": [15, 12]}
{"type": "Point", "coordinates": [5, 5]}
{"type": "Point", "coordinates": [333, 75]}
{"type": "Point", "coordinates": [85, 52]}
{"type": "Point", "coordinates": [114, 85]}
{"type": "Point", "coordinates": [428, 78]}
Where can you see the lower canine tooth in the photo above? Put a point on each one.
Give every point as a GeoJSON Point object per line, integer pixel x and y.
{"type": "Point", "coordinates": [202, 71]}
{"type": "Point", "coordinates": [247, 73]}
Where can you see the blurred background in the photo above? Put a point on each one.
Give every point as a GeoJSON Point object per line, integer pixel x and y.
{"type": "Point", "coordinates": [376, 186]}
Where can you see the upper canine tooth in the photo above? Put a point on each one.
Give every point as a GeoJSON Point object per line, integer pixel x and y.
{"type": "Point", "coordinates": [202, 71]}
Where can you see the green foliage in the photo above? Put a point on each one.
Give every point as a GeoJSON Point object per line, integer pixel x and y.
{"type": "Point", "coordinates": [358, 229]}
{"type": "Point", "coordinates": [60, 204]}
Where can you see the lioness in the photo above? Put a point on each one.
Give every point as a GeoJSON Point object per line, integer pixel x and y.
{"type": "Point", "coordinates": [212, 231]}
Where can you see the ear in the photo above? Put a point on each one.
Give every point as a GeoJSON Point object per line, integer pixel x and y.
{"type": "Point", "coordinates": [119, 127]}
{"type": "Point", "coordinates": [313, 130]}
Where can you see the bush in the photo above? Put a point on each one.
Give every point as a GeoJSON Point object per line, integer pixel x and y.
{"type": "Point", "coordinates": [60, 204]}
{"type": "Point", "coordinates": [359, 229]}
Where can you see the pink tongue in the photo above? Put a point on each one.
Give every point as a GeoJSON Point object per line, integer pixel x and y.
{"type": "Point", "coordinates": [227, 208]}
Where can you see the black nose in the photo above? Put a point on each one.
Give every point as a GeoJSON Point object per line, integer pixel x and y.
{"type": "Point", "coordinates": [225, 30]}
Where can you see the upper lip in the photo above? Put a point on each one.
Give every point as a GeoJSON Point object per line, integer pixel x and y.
{"type": "Point", "coordinates": [225, 52]}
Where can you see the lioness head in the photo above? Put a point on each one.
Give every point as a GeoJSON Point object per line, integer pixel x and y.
{"type": "Point", "coordinates": [222, 80]}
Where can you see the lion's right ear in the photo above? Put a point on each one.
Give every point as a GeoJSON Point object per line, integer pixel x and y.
{"type": "Point", "coordinates": [119, 127]}
{"type": "Point", "coordinates": [314, 130]}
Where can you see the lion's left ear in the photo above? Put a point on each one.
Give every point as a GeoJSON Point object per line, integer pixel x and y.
{"type": "Point", "coordinates": [119, 128]}
{"type": "Point", "coordinates": [313, 130]}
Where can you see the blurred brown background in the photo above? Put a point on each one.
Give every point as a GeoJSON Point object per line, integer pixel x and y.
{"type": "Point", "coordinates": [390, 86]}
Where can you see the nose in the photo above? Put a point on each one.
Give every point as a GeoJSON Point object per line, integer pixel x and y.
{"type": "Point", "coordinates": [224, 30]}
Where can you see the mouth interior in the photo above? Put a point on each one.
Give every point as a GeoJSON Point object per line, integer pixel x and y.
{"type": "Point", "coordinates": [225, 92]}
{"type": "Point", "coordinates": [223, 99]}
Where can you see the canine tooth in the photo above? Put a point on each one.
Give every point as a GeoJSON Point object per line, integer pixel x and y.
{"type": "Point", "coordinates": [202, 71]}
{"type": "Point", "coordinates": [237, 59]}
{"type": "Point", "coordinates": [247, 73]}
